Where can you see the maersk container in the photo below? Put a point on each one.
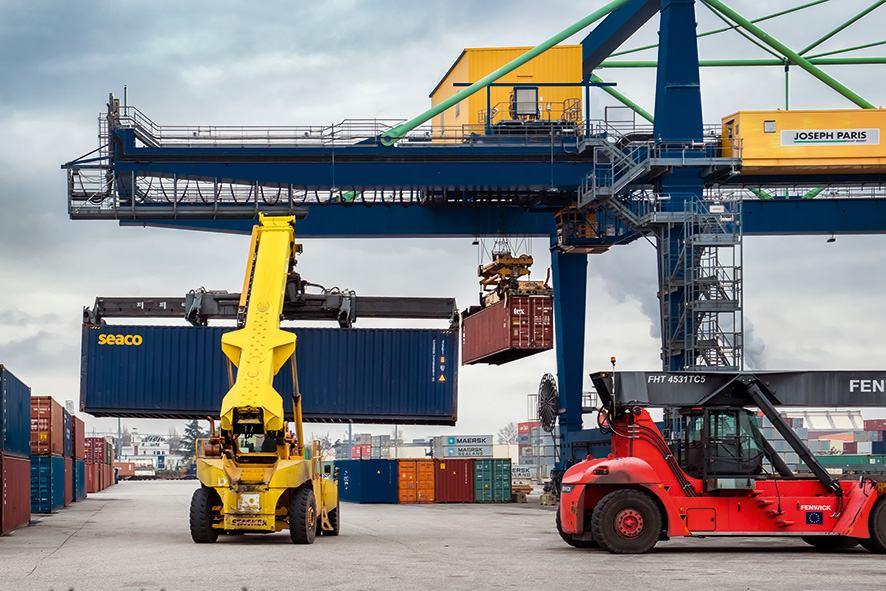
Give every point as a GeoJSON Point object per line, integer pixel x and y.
{"type": "Point", "coordinates": [509, 330]}
{"type": "Point", "coordinates": [79, 480]}
{"type": "Point", "coordinates": [47, 426]}
{"type": "Point", "coordinates": [367, 481]}
{"type": "Point", "coordinates": [492, 481]}
{"type": "Point", "coordinates": [67, 434]}
{"type": "Point", "coordinates": [15, 492]}
{"type": "Point", "coordinates": [404, 376]}
{"type": "Point", "coordinates": [454, 481]}
{"type": "Point", "coordinates": [47, 483]}
{"type": "Point", "coordinates": [15, 415]}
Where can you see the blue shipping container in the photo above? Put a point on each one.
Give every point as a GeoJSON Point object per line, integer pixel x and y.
{"type": "Point", "coordinates": [405, 376]}
{"type": "Point", "coordinates": [67, 435]}
{"type": "Point", "coordinates": [15, 415]}
{"type": "Point", "coordinates": [368, 481]}
{"type": "Point", "coordinates": [878, 447]}
{"type": "Point", "coordinates": [47, 483]}
{"type": "Point", "coordinates": [79, 480]}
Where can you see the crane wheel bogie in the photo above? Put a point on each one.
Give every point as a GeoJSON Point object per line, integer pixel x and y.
{"type": "Point", "coordinates": [877, 524]}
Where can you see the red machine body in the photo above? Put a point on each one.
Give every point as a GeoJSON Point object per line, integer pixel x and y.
{"type": "Point", "coordinates": [640, 494]}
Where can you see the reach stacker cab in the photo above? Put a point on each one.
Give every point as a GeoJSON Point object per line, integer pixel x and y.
{"type": "Point", "coordinates": [721, 477]}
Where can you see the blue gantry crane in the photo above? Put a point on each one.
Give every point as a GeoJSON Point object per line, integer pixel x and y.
{"type": "Point", "coordinates": [585, 187]}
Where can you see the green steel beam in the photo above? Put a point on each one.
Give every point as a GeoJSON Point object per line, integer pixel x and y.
{"type": "Point", "coordinates": [788, 53]}
{"type": "Point", "coordinates": [846, 61]}
{"type": "Point", "coordinates": [848, 49]}
{"type": "Point", "coordinates": [744, 34]}
{"type": "Point", "coordinates": [624, 100]}
{"type": "Point", "coordinates": [391, 136]}
{"type": "Point", "coordinates": [843, 26]}
{"type": "Point", "coordinates": [723, 30]}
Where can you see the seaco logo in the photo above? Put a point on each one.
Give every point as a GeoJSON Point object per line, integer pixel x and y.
{"type": "Point", "coordinates": [119, 339]}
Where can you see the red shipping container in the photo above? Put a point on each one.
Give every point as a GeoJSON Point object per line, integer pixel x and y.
{"type": "Point", "coordinates": [69, 481]}
{"type": "Point", "coordinates": [47, 428]}
{"type": "Point", "coordinates": [95, 450]}
{"type": "Point", "coordinates": [79, 435]}
{"type": "Point", "coordinates": [366, 451]}
{"type": "Point", "coordinates": [416, 481]}
{"type": "Point", "coordinates": [356, 452]}
{"type": "Point", "coordinates": [91, 478]}
{"type": "Point", "coordinates": [850, 447]}
{"type": "Point", "coordinates": [15, 493]}
{"type": "Point", "coordinates": [454, 481]}
{"type": "Point", "coordinates": [875, 425]}
{"type": "Point", "coordinates": [508, 330]}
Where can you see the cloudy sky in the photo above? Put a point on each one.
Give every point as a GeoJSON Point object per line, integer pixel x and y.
{"type": "Point", "coordinates": [810, 304]}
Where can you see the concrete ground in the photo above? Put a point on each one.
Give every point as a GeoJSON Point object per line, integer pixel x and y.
{"type": "Point", "coordinates": [135, 536]}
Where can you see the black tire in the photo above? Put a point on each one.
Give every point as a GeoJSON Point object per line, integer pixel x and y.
{"type": "Point", "coordinates": [302, 516]}
{"type": "Point", "coordinates": [570, 539]}
{"type": "Point", "coordinates": [202, 531]}
{"type": "Point", "coordinates": [877, 524]}
{"type": "Point", "coordinates": [831, 542]}
{"type": "Point", "coordinates": [626, 522]}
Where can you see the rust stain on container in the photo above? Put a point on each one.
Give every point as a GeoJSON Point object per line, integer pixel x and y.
{"type": "Point", "coordinates": [509, 330]}
{"type": "Point", "coordinates": [416, 481]}
{"type": "Point", "coordinates": [47, 426]}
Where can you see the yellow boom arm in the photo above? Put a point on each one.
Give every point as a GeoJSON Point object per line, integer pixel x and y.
{"type": "Point", "coordinates": [261, 348]}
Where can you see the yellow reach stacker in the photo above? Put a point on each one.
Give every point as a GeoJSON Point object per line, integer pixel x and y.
{"type": "Point", "coordinates": [255, 477]}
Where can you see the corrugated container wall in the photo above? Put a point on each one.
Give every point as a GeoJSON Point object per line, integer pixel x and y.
{"type": "Point", "coordinates": [69, 481]}
{"type": "Point", "coordinates": [15, 415]}
{"type": "Point", "coordinates": [492, 481]}
{"type": "Point", "coordinates": [367, 481]}
{"type": "Point", "coordinates": [47, 483]}
{"type": "Point", "coordinates": [405, 376]}
{"type": "Point", "coordinates": [454, 481]}
{"type": "Point", "coordinates": [79, 480]}
{"type": "Point", "coordinates": [68, 434]}
{"type": "Point", "coordinates": [557, 65]}
{"type": "Point", "coordinates": [416, 481]}
{"type": "Point", "coordinates": [79, 436]}
{"type": "Point", "coordinates": [509, 330]}
{"type": "Point", "coordinates": [91, 478]}
{"type": "Point", "coordinates": [15, 491]}
{"type": "Point", "coordinates": [47, 426]}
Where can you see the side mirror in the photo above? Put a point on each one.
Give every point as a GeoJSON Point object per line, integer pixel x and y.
{"type": "Point", "coordinates": [335, 474]}
{"type": "Point", "coordinates": [327, 469]}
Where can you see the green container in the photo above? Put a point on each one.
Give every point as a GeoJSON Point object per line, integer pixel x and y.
{"type": "Point", "coordinates": [851, 460]}
{"type": "Point", "coordinates": [492, 481]}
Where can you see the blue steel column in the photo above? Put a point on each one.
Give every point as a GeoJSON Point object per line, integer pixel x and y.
{"type": "Point", "coordinates": [570, 280]}
{"type": "Point", "coordinates": [678, 118]}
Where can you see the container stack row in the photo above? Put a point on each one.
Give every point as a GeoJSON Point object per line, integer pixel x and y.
{"type": "Point", "coordinates": [99, 464]}
{"type": "Point", "coordinates": [52, 449]}
{"type": "Point", "coordinates": [424, 481]}
{"type": "Point", "coordinates": [15, 452]}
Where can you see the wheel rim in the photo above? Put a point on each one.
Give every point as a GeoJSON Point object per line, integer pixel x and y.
{"type": "Point", "coordinates": [629, 523]}
{"type": "Point", "coordinates": [310, 517]}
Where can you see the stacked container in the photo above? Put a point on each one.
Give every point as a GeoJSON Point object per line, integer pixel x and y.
{"type": "Point", "coordinates": [48, 444]}
{"type": "Point", "coordinates": [98, 464]}
{"type": "Point", "coordinates": [492, 481]}
{"type": "Point", "coordinates": [78, 430]}
{"type": "Point", "coordinates": [416, 481]}
{"type": "Point", "coordinates": [67, 421]}
{"type": "Point", "coordinates": [15, 462]}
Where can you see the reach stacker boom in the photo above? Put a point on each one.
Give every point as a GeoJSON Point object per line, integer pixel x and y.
{"type": "Point", "coordinates": [712, 481]}
{"type": "Point", "coordinates": [255, 476]}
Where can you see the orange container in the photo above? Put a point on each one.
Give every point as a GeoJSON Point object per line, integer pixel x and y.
{"type": "Point", "coordinates": [125, 469]}
{"type": "Point", "coordinates": [47, 429]}
{"type": "Point", "coordinates": [91, 478]}
{"type": "Point", "coordinates": [69, 481]}
{"type": "Point", "coordinates": [416, 481]}
{"type": "Point", "coordinates": [79, 435]}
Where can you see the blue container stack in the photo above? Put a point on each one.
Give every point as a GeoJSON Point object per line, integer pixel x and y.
{"type": "Point", "coordinates": [79, 480]}
{"type": "Point", "coordinates": [368, 481]}
{"type": "Point", "coordinates": [15, 452]}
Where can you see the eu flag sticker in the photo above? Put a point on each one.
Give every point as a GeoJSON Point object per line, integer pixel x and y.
{"type": "Point", "coordinates": [814, 517]}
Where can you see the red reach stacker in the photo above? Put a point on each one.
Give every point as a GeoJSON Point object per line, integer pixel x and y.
{"type": "Point", "coordinates": [710, 478]}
